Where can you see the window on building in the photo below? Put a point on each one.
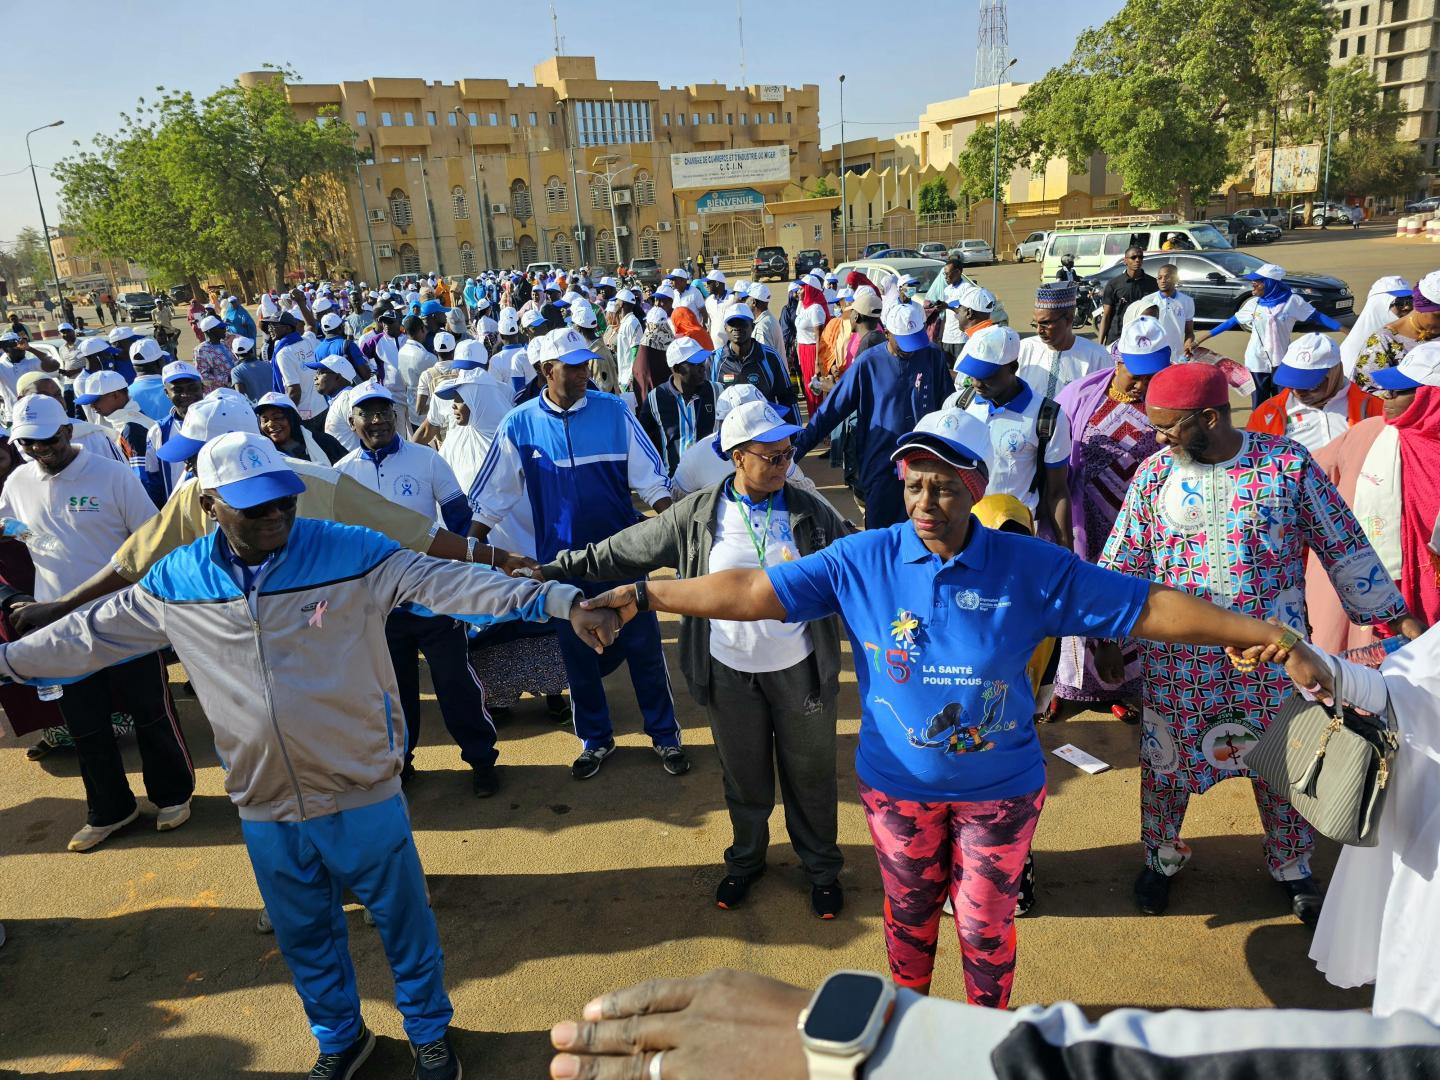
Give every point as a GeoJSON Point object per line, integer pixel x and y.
{"type": "Point", "coordinates": [695, 119]}
{"type": "Point", "coordinates": [1360, 45]}
{"type": "Point", "coordinates": [557, 195]}
{"type": "Point", "coordinates": [321, 121]}
{"type": "Point", "coordinates": [400, 209]}
{"type": "Point", "coordinates": [453, 118]}
{"type": "Point", "coordinates": [460, 203]}
{"type": "Point", "coordinates": [772, 118]}
{"type": "Point", "coordinates": [730, 119]}
{"type": "Point", "coordinates": [495, 122]}
{"type": "Point", "coordinates": [1345, 19]}
{"type": "Point", "coordinates": [711, 118]}
{"type": "Point", "coordinates": [788, 119]}
{"type": "Point", "coordinates": [1394, 69]}
{"type": "Point", "coordinates": [1364, 14]}
{"type": "Point", "coordinates": [1399, 10]}
{"type": "Point", "coordinates": [360, 118]}
{"type": "Point", "coordinates": [599, 193]}
{"type": "Point", "coordinates": [534, 120]}
{"type": "Point", "coordinates": [409, 259]}
{"type": "Point", "coordinates": [665, 119]}
{"type": "Point", "coordinates": [394, 158]}
{"type": "Point", "coordinates": [526, 249]}
{"type": "Point", "coordinates": [554, 120]}
{"type": "Point", "coordinates": [606, 253]}
{"type": "Point", "coordinates": [520, 202]}
{"type": "Point", "coordinates": [644, 189]}
{"type": "Point", "coordinates": [1344, 48]}
{"type": "Point", "coordinates": [429, 117]}
{"type": "Point", "coordinates": [474, 119]}
{"type": "Point", "coordinates": [680, 119]}
{"type": "Point", "coordinates": [562, 249]}
{"type": "Point", "coordinates": [515, 120]}
{"type": "Point", "coordinates": [467, 258]}
{"type": "Point", "coordinates": [649, 243]}
{"type": "Point", "coordinates": [409, 119]}
{"type": "Point", "coordinates": [1397, 40]}
{"type": "Point", "coordinates": [385, 119]}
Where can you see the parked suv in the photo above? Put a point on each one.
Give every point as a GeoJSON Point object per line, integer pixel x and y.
{"type": "Point", "coordinates": [933, 249]}
{"type": "Point", "coordinates": [772, 262]}
{"type": "Point", "coordinates": [1273, 215]}
{"type": "Point", "coordinates": [1032, 247]}
{"type": "Point", "coordinates": [646, 271]}
{"type": "Point", "coordinates": [1330, 213]}
{"type": "Point", "coordinates": [135, 305]}
{"type": "Point", "coordinates": [809, 259]}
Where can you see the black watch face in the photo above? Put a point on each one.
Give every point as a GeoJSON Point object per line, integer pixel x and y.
{"type": "Point", "coordinates": [843, 1008]}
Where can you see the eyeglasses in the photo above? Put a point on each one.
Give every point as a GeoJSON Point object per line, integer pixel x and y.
{"type": "Point", "coordinates": [284, 504]}
{"type": "Point", "coordinates": [774, 460]}
{"type": "Point", "coordinates": [1170, 431]}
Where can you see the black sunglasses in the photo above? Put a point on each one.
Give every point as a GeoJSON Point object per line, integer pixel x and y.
{"type": "Point", "coordinates": [284, 504]}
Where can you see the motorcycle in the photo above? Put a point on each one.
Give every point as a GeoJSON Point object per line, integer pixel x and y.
{"type": "Point", "coordinates": [1087, 304]}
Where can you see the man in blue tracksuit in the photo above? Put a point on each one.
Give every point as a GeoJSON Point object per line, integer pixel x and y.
{"type": "Point", "coordinates": [567, 460]}
{"type": "Point", "coordinates": [888, 388]}
{"type": "Point", "coordinates": [258, 611]}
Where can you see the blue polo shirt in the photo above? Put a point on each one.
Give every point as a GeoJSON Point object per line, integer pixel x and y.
{"type": "Point", "coordinates": [947, 713]}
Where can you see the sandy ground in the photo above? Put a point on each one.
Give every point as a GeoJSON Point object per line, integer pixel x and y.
{"type": "Point", "coordinates": [142, 956]}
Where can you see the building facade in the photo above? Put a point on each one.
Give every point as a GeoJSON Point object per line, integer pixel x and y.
{"type": "Point", "coordinates": [481, 173]}
{"type": "Point", "coordinates": [1399, 39]}
{"type": "Point", "coordinates": [84, 270]}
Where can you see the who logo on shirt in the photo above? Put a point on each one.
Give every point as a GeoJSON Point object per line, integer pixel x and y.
{"type": "Point", "coordinates": [85, 504]}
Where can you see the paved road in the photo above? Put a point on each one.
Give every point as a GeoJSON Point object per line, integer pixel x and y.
{"type": "Point", "coordinates": [142, 956]}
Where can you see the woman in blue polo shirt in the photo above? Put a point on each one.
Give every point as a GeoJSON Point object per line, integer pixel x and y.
{"type": "Point", "coordinates": [945, 614]}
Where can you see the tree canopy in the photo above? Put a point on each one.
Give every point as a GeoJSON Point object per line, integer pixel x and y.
{"type": "Point", "coordinates": [976, 160]}
{"type": "Point", "coordinates": [189, 186]}
{"type": "Point", "coordinates": [1161, 88]}
{"type": "Point", "coordinates": [934, 198]}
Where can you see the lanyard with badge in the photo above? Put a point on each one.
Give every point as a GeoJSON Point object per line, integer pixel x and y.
{"type": "Point", "coordinates": [745, 507]}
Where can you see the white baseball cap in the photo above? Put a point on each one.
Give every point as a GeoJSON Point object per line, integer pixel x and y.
{"type": "Point", "coordinates": [954, 436]}
{"type": "Point", "coordinates": [336, 363]}
{"type": "Point", "coordinates": [509, 321]}
{"type": "Point", "coordinates": [679, 272]}
{"type": "Point", "coordinates": [146, 351]}
{"type": "Point", "coordinates": [715, 276]}
{"type": "Point", "coordinates": [685, 350]}
{"type": "Point", "coordinates": [582, 314]}
{"type": "Point", "coordinates": [972, 297]}
{"type": "Point", "coordinates": [470, 354]}
{"type": "Point", "coordinates": [331, 321]}
{"type": "Point", "coordinates": [759, 291]}
{"type": "Point", "coordinates": [665, 290]}
{"type": "Point", "coordinates": [1143, 347]}
{"type": "Point", "coordinates": [1266, 272]}
{"type": "Point", "coordinates": [906, 323]}
{"type": "Point", "coordinates": [625, 296]}
{"type": "Point", "coordinates": [9, 337]}
{"type": "Point", "coordinates": [739, 312]}
{"type": "Point", "coordinates": [274, 399]}
{"type": "Point", "coordinates": [120, 333]}
{"type": "Point", "coordinates": [91, 388]}
{"type": "Point", "coordinates": [245, 470]}
{"type": "Point", "coordinates": [571, 347]}
{"type": "Point", "coordinates": [179, 369]}
{"type": "Point", "coordinates": [92, 346]}
{"type": "Point", "coordinates": [219, 412]}
{"type": "Point", "coordinates": [242, 345]}
{"type": "Point", "coordinates": [1419, 367]}
{"type": "Point", "coordinates": [370, 391]}
{"type": "Point", "coordinates": [754, 421]}
{"type": "Point", "coordinates": [814, 280]}
{"type": "Point", "coordinates": [655, 316]}
{"type": "Point", "coordinates": [37, 417]}
{"type": "Point", "coordinates": [322, 305]}
{"type": "Point", "coordinates": [988, 350]}
{"type": "Point", "coordinates": [1308, 361]}
{"type": "Point", "coordinates": [444, 341]}
{"type": "Point", "coordinates": [209, 322]}
{"type": "Point", "coordinates": [1429, 286]}
{"type": "Point", "coordinates": [733, 397]}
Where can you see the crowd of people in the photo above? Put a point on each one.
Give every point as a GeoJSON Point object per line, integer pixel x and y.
{"type": "Point", "coordinates": [456, 470]}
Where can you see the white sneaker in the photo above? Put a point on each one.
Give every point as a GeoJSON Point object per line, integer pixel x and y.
{"type": "Point", "coordinates": [94, 835]}
{"type": "Point", "coordinates": [172, 817]}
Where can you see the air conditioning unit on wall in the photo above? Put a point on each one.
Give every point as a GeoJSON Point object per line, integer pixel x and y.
{"type": "Point", "coordinates": [663, 226]}
{"type": "Point", "coordinates": [499, 208]}
{"type": "Point", "coordinates": [622, 230]}
{"type": "Point", "coordinates": [377, 215]}
{"type": "Point", "coordinates": [507, 244]}
{"type": "Point", "coordinates": [623, 197]}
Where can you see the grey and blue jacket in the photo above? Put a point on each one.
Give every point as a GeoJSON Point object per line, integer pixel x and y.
{"type": "Point", "coordinates": [295, 679]}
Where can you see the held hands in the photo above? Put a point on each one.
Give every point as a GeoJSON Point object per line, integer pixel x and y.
{"type": "Point", "coordinates": [724, 1023]}
{"type": "Point", "coordinates": [28, 615]}
{"type": "Point", "coordinates": [508, 562]}
{"type": "Point", "coordinates": [620, 599]}
{"type": "Point", "coordinates": [596, 629]}
{"type": "Point", "coordinates": [1109, 662]}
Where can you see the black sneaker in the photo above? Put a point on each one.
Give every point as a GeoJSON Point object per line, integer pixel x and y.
{"type": "Point", "coordinates": [674, 760]}
{"type": "Point", "coordinates": [484, 781]}
{"type": "Point", "coordinates": [733, 889]}
{"type": "Point", "coordinates": [589, 761]}
{"type": "Point", "coordinates": [347, 1062]}
{"type": "Point", "coordinates": [827, 900]}
{"type": "Point", "coordinates": [436, 1061]}
{"type": "Point", "coordinates": [1152, 892]}
{"type": "Point", "coordinates": [1026, 900]}
{"type": "Point", "coordinates": [1306, 899]}
{"type": "Point", "coordinates": [557, 707]}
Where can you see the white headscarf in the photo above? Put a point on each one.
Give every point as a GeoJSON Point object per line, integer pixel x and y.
{"type": "Point", "coordinates": [1375, 314]}
{"type": "Point", "coordinates": [465, 447]}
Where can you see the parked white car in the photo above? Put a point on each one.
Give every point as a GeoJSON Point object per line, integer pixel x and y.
{"type": "Point", "coordinates": [974, 252]}
{"type": "Point", "coordinates": [1032, 247]}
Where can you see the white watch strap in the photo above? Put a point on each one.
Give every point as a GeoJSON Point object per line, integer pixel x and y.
{"type": "Point", "coordinates": [832, 1066]}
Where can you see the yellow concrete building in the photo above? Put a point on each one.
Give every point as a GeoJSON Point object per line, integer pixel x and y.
{"type": "Point", "coordinates": [481, 173]}
{"type": "Point", "coordinates": [83, 270]}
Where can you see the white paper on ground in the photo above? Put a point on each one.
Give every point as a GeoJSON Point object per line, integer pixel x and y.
{"type": "Point", "coordinates": [1080, 759]}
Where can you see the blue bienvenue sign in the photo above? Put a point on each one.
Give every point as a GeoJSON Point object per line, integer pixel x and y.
{"type": "Point", "coordinates": [729, 200]}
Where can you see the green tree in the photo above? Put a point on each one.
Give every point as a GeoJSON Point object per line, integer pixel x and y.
{"type": "Point", "coordinates": [1375, 165]}
{"type": "Point", "coordinates": [30, 259]}
{"type": "Point", "coordinates": [821, 190]}
{"type": "Point", "coordinates": [935, 198]}
{"type": "Point", "coordinates": [1162, 87]}
{"type": "Point", "coordinates": [976, 160]}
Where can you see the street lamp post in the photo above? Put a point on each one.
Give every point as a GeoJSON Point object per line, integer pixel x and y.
{"type": "Point", "coordinates": [480, 207]}
{"type": "Point", "coordinates": [844, 206]}
{"type": "Point", "coordinates": [44, 225]}
{"type": "Point", "coordinates": [609, 160]}
{"type": "Point", "coordinates": [995, 193]}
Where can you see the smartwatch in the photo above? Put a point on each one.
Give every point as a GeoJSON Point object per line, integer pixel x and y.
{"type": "Point", "coordinates": [842, 1025]}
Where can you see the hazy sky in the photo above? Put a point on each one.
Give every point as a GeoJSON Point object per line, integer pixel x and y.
{"type": "Point", "coordinates": [892, 68]}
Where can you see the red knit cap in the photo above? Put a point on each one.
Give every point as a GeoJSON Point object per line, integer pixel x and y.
{"type": "Point", "coordinates": [1188, 386]}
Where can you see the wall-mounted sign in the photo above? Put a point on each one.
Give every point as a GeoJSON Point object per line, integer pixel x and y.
{"type": "Point", "coordinates": [714, 168]}
{"type": "Point", "coordinates": [729, 201]}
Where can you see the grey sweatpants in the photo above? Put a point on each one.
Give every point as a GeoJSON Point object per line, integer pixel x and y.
{"type": "Point", "coordinates": [761, 721]}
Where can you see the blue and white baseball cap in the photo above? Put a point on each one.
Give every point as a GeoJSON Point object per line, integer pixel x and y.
{"type": "Point", "coordinates": [1419, 367]}
{"type": "Point", "coordinates": [988, 350]}
{"type": "Point", "coordinates": [179, 369]}
{"type": "Point", "coordinates": [954, 436]}
{"type": "Point", "coordinates": [732, 397]}
{"type": "Point", "coordinates": [336, 363]}
{"type": "Point", "coordinates": [370, 391]}
{"type": "Point", "coordinates": [246, 470]}
{"type": "Point", "coordinates": [535, 318]}
{"type": "Point", "coordinates": [972, 297]}
{"type": "Point", "coordinates": [741, 313]}
{"type": "Point", "coordinates": [509, 321]}
{"type": "Point", "coordinates": [146, 351]}
{"type": "Point", "coordinates": [1266, 272]}
{"type": "Point", "coordinates": [1308, 361]}
{"type": "Point", "coordinates": [754, 421]}
{"type": "Point", "coordinates": [906, 323]}
{"type": "Point", "coordinates": [685, 350]}
{"type": "Point", "coordinates": [571, 347]}
{"type": "Point", "coordinates": [219, 412]}
{"type": "Point", "coordinates": [470, 354]}
{"type": "Point", "coordinates": [91, 388]}
{"type": "Point", "coordinates": [1143, 347]}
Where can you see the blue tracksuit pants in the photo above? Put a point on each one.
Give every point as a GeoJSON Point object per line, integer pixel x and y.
{"type": "Point", "coordinates": [303, 868]}
{"type": "Point", "coordinates": [639, 646]}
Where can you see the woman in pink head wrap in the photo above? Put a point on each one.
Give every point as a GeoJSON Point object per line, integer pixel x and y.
{"type": "Point", "coordinates": [810, 321]}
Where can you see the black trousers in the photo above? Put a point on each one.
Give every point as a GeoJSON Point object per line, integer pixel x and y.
{"type": "Point", "coordinates": [769, 722]}
{"type": "Point", "coordinates": [144, 689]}
{"type": "Point", "coordinates": [457, 687]}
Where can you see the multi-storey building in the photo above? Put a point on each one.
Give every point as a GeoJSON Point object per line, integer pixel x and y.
{"type": "Point", "coordinates": [460, 176]}
{"type": "Point", "coordinates": [1399, 39]}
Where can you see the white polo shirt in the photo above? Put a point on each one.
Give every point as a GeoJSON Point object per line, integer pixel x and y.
{"type": "Point", "coordinates": [1173, 312]}
{"type": "Point", "coordinates": [1315, 428]}
{"type": "Point", "coordinates": [291, 360]}
{"type": "Point", "coordinates": [1015, 440]}
{"type": "Point", "coordinates": [91, 506]}
{"type": "Point", "coordinates": [414, 476]}
{"type": "Point", "coordinates": [1049, 370]}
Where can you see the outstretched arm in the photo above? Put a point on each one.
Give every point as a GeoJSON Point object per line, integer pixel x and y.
{"type": "Point", "coordinates": [741, 595]}
{"type": "Point", "coordinates": [1176, 617]}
